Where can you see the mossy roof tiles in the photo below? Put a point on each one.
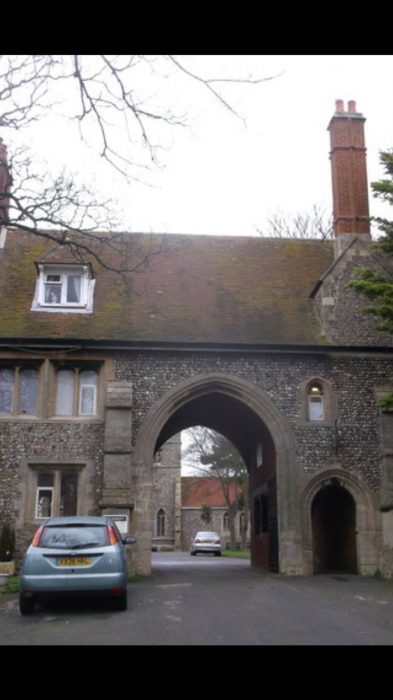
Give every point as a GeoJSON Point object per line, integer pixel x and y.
{"type": "Point", "coordinates": [203, 289]}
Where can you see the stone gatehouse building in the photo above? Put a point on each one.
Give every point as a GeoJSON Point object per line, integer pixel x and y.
{"type": "Point", "coordinates": [259, 339]}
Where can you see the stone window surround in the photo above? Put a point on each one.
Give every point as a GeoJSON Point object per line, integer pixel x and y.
{"type": "Point", "coordinates": [83, 467]}
{"type": "Point", "coordinates": [46, 401]}
{"type": "Point", "coordinates": [329, 402]}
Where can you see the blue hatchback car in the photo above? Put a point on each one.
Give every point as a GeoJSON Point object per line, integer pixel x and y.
{"type": "Point", "coordinates": [75, 556]}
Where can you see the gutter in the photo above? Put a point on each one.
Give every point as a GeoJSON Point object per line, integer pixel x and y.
{"type": "Point", "coordinates": [72, 345]}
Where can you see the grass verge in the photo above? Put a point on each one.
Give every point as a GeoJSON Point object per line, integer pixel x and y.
{"type": "Point", "coordinates": [238, 553]}
{"type": "Point", "coordinates": [11, 585]}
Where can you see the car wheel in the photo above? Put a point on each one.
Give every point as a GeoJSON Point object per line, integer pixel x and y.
{"type": "Point", "coordinates": [121, 602]}
{"type": "Point", "coordinates": [217, 554]}
{"type": "Point", "coordinates": [26, 605]}
{"type": "Point", "coordinates": [193, 554]}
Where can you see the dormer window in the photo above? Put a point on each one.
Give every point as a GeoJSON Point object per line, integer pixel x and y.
{"type": "Point", "coordinates": [64, 287]}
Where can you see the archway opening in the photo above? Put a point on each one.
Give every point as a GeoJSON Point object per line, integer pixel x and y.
{"type": "Point", "coordinates": [237, 422]}
{"type": "Point", "coordinates": [333, 515]}
{"type": "Point", "coordinates": [215, 490]}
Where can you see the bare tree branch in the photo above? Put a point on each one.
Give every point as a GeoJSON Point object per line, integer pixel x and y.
{"type": "Point", "coordinates": [98, 93]}
{"type": "Point", "coordinates": [208, 83]}
{"type": "Point", "coordinates": [222, 461]}
{"type": "Point", "coordinates": [314, 224]}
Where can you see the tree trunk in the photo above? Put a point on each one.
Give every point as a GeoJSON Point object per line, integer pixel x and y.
{"type": "Point", "coordinates": [232, 526]}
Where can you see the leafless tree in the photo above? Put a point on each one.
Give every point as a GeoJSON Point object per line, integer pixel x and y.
{"type": "Point", "coordinates": [102, 94]}
{"type": "Point", "coordinates": [313, 224]}
{"type": "Point", "coordinates": [214, 456]}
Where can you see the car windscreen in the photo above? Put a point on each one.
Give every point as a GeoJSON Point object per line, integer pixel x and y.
{"type": "Point", "coordinates": [74, 537]}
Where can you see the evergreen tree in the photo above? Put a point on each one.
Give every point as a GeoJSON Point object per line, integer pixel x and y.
{"type": "Point", "coordinates": [375, 285]}
{"type": "Point", "coordinates": [206, 514]}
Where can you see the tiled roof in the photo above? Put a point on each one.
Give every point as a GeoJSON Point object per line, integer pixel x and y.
{"type": "Point", "coordinates": [206, 289]}
{"type": "Point", "coordinates": [198, 491]}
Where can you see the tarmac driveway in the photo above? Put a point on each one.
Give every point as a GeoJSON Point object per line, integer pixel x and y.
{"type": "Point", "coordinates": [207, 600]}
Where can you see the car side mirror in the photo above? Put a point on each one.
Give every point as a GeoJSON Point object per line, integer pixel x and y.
{"type": "Point", "coordinates": [128, 540]}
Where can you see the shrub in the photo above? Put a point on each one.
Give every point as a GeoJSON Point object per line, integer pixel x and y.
{"type": "Point", "coordinates": [7, 543]}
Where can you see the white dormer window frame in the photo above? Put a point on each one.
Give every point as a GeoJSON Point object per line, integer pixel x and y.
{"type": "Point", "coordinates": [64, 288]}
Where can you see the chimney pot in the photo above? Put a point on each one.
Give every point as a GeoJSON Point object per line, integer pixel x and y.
{"type": "Point", "coordinates": [349, 173]}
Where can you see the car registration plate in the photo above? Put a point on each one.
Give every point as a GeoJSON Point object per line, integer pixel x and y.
{"type": "Point", "coordinates": [74, 561]}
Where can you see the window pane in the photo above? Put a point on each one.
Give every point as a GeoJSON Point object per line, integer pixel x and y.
{"type": "Point", "coordinates": [6, 389]}
{"type": "Point", "coordinates": [52, 293]}
{"type": "Point", "coordinates": [73, 537]}
{"type": "Point", "coordinates": [316, 407]}
{"type": "Point", "coordinates": [87, 393]}
{"type": "Point", "coordinates": [161, 523]}
{"type": "Point", "coordinates": [53, 278]}
{"type": "Point", "coordinates": [44, 503]}
{"type": "Point", "coordinates": [68, 494]}
{"type": "Point", "coordinates": [73, 289]}
{"type": "Point", "coordinates": [65, 392]}
{"type": "Point", "coordinates": [28, 391]}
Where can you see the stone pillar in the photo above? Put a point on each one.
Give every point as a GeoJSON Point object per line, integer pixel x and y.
{"type": "Point", "coordinates": [386, 493]}
{"type": "Point", "coordinates": [117, 498]}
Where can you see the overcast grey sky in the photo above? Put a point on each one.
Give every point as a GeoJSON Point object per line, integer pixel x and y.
{"type": "Point", "coordinates": [221, 176]}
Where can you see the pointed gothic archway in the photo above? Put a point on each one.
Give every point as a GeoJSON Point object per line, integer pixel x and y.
{"type": "Point", "coordinates": [333, 516]}
{"type": "Point", "coordinates": [339, 525]}
{"type": "Point", "coordinates": [245, 415]}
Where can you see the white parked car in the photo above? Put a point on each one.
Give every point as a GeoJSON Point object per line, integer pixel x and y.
{"type": "Point", "coordinates": [206, 542]}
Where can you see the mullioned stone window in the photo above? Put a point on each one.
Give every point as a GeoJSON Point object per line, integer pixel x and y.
{"type": "Point", "coordinates": [56, 494]}
{"type": "Point", "coordinates": [76, 392]}
{"type": "Point", "coordinates": [19, 388]}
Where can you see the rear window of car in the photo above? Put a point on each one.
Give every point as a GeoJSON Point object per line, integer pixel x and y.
{"type": "Point", "coordinates": [207, 535]}
{"type": "Point", "coordinates": [74, 537]}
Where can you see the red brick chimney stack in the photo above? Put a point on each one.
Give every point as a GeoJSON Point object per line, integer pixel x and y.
{"type": "Point", "coordinates": [5, 184]}
{"type": "Point", "coordinates": [349, 174]}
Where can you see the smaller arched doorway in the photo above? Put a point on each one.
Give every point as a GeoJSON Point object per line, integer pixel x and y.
{"type": "Point", "coordinates": [333, 517]}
